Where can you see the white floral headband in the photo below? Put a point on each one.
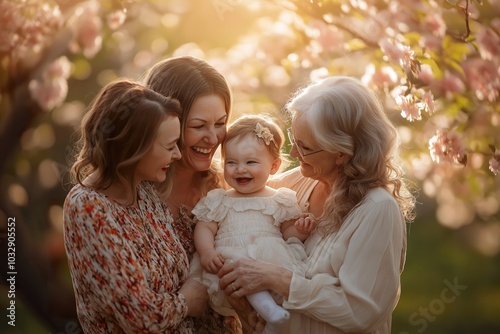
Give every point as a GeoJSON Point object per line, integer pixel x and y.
{"type": "Point", "coordinates": [264, 133]}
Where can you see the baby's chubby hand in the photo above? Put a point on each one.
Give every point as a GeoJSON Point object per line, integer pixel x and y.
{"type": "Point", "coordinates": [305, 223]}
{"type": "Point", "coordinates": [211, 261]}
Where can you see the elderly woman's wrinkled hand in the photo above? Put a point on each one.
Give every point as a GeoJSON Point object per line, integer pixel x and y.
{"type": "Point", "coordinates": [242, 277]}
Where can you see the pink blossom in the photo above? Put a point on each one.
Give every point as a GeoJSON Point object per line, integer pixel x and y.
{"type": "Point", "coordinates": [49, 93]}
{"type": "Point", "coordinates": [483, 78]}
{"type": "Point", "coordinates": [408, 59]}
{"type": "Point", "coordinates": [495, 163]}
{"type": "Point", "coordinates": [376, 24]}
{"type": "Point", "coordinates": [394, 52]}
{"type": "Point", "coordinates": [489, 43]}
{"type": "Point", "coordinates": [26, 25]}
{"type": "Point", "coordinates": [10, 16]}
{"type": "Point", "coordinates": [51, 89]}
{"type": "Point", "coordinates": [379, 78]}
{"type": "Point", "coordinates": [398, 53]}
{"type": "Point", "coordinates": [87, 25]}
{"type": "Point", "coordinates": [446, 146]}
{"type": "Point", "coordinates": [324, 35]}
{"type": "Point", "coordinates": [451, 84]}
{"type": "Point", "coordinates": [431, 42]}
{"type": "Point", "coordinates": [409, 109]}
{"type": "Point", "coordinates": [60, 68]}
{"type": "Point", "coordinates": [116, 19]}
{"type": "Point", "coordinates": [426, 75]}
{"type": "Point", "coordinates": [427, 103]}
{"type": "Point", "coordinates": [435, 23]}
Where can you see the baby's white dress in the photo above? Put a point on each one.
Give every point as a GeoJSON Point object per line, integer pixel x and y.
{"type": "Point", "coordinates": [248, 227]}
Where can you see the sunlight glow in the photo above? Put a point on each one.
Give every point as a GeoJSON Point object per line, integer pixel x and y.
{"type": "Point", "coordinates": [486, 238]}
{"type": "Point", "coordinates": [159, 45]}
{"type": "Point", "coordinates": [23, 167]}
{"type": "Point", "coordinates": [487, 207]}
{"type": "Point", "coordinates": [170, 20]}
{"type": "Point", "coordinates": [48, 174]}
{"type": "Point", "coordinates": [189, 49]}
{"type": "Point", "coordinates": [18, 194]}
{"type": "Point", "coordinates": [41, 137]}
{"type": "Point", "coordinates": [276, 76]}
{"type": "Point", "coordinates": [56, 218]}
{"type": "Point", "coordinates": [69, 113]}
{"type": "Point", "coordinates": [453, 212]}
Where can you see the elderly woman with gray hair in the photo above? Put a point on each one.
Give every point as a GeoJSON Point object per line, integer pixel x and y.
{"type": "Point", "coordinates": [350, 180]}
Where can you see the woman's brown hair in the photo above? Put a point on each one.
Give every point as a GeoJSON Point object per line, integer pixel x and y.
{"type": "Point", "coordinates": [186, 78]}
{"type": "Point", "coordinates": [118, 130]}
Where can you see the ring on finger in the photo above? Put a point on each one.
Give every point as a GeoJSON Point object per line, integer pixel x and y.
{"type": "Point", "coordinates": [233, 287]}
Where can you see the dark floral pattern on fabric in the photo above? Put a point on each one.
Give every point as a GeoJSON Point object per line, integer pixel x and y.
{"type": "Point", "coordinates": [126, 263]}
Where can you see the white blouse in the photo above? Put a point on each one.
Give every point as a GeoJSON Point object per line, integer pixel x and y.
{"type": "Point", "coordinates": [352, 281]}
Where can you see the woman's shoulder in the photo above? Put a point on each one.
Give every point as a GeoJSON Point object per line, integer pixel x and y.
{"type": "Point", "coordinates": [380, 195]}
{"type": "Point", "coordinates": [81, 193]}
{"type": "Point", "coordinates": [293, 179]}
{"type": "Point", "coordinates": [82, 200]}
{"type": "Point", "coordinates": [149, 191]}
{"type": "Point", "coordinates": [284, 179]}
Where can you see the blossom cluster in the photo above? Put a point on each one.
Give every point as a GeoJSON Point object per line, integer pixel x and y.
{"type": "Point", "coordinates": [26, 25]}
{"type": "Point", "coordinates": [446, 146]}
{"type": "Point", "coordinates": [50, 90]}
{"type": "Point", "coordinates": [495, 161]}
{"type": "Point", "coordinates": [29, 28]}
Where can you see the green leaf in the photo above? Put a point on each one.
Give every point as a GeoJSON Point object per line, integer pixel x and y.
{"type": "Point", "coordinates": [413, 38]}
{"type": "Point", "coordinates": [450, 4]}
{"type": "Point", "coordinates": [355, 44]}
{"type": "Point", "coordinates": [455, 50]}
{"type": "Point", "coordinates": [438, 74]}
{"type": "Point", "coordinates": [455, 66]}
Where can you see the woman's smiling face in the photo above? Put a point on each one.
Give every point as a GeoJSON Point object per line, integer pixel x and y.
{"type": "Point", "coordinates": [205, 129]}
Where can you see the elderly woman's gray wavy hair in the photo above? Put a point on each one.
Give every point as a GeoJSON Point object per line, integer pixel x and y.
{"type": "Point", "coordinates": [348, 117]}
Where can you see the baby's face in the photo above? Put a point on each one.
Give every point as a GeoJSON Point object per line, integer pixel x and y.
{"type": "Point", "coordinates": [247, 165]}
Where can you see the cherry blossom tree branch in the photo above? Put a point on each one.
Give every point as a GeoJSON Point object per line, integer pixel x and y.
{"type": "Point", "coordinates": [465, 11]}
{"type": "Point", "coordinates": [315, 10]}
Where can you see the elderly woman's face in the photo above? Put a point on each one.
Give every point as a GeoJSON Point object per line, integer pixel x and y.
{"type": "Point", "coordinates": [321, 165]}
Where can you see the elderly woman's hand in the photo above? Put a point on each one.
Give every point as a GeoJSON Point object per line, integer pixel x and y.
{"type": "Point", "coordinates": [246, 276]}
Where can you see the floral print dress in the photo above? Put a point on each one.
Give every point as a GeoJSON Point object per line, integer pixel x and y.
{"type": "Point", "coordinates": [126, 263]}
